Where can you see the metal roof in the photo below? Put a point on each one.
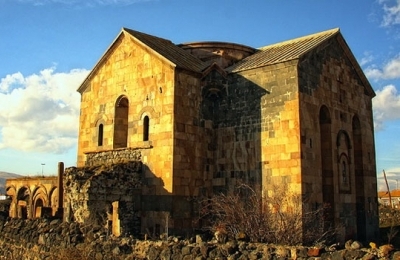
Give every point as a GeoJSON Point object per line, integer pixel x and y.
{"type": "Point", "coordinates": [283, 51]}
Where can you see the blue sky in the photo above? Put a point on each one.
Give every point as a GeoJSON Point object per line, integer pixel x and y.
{"type": "Point", "coordinates": [47, 47]}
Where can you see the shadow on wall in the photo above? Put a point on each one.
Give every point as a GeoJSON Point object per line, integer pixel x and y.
{"type": "Point", "coordinates": [232, 104]}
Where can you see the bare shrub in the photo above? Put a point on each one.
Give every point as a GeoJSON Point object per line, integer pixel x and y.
{"type": "Point", "coordinates": [279, 217]}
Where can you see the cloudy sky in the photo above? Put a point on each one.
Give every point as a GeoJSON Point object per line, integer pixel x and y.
{"type": "Point", "coordinates": [47, 47]}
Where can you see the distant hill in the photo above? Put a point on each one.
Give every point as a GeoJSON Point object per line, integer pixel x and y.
{"type": "Point", "coordinates": [3, 177]}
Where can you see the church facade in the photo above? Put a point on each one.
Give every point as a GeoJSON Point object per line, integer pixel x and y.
{"type": "Point", "coordinates": [203, 117]}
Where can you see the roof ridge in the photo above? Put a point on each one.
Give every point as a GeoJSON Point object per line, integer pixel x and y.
{"type": "Point", "coordinates": [301, 38]}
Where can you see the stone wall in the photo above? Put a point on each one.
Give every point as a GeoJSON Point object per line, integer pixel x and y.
{"type": "Point", "coordinates": [107, 195]}
{"type": "Point", "coordinates": [112, 156]}
{"type": "Point", "coordinates": [54, 239]}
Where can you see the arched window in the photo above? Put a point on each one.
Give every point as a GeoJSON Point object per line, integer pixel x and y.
{"type": "Point", "coordinates": [121, 122]}
{"type": "Point", "coordinates": [344, 171]}
{"type": "Point", "coordinates": [146, 122]}
{"type": "Point", "coordinates": [100, 135]}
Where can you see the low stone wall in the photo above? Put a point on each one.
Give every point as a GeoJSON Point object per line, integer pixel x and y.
{"type": "Point", "coordinates": [54, 239]}
{"type": "Point", "coordinates": [113, 156]}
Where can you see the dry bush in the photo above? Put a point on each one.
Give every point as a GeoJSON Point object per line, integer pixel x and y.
{"type": "Point", "coordinates": [278, 218]}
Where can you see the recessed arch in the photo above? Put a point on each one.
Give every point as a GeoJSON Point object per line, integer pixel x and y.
{"type": "Point", "coordinates": [324, 115]}
{"type": "Point", "coordinates": [343, 136]}
{"type": "Point", "coordinates": [326, 147]}
{"type": "Point", "coordinates": [121, 122]}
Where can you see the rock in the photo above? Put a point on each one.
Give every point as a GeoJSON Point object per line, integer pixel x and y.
{"type": "Point", "coordinates": [199, 239]}
{"type": "Point", "coordinates": [282, 251]}
{"type": "Point", "coordinates": [368, 256]}
{"type": "Point", "coordinates": [396, 256]}
{"type": "Point", "coordinates": [356, 245]}
{"type": "Point", "coordinates": [348, 243]}
{"type": "Point", "coordinates": [314, 251]}
{"type": "Point", "coordinates": [385, 250]}
{"type": "Point", "coordinates": [372, 245]}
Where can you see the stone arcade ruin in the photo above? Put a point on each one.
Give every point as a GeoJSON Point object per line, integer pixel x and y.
{"type": "Point", "coordinates": [161, 124]}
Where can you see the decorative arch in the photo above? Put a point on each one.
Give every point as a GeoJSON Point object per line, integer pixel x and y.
{"type": "Point", "coordinates": [121, 122]}
{"type": "Point", "coordinates": [345, 174]}
{"type": "Point", "coordinates": [147, 111]}
{"type": "Point", "coordinates": [39, 200]}
{"type": "Point", "coordinates": [342, 137]}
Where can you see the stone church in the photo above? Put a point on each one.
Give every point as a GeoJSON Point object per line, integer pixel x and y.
{"type": "Point", "coordinates": [205, 116]}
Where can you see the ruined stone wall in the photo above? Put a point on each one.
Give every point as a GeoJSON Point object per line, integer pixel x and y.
{"type": "Point", "coordinates": [107, 195]}
{"type": "Point", "coordinates": [113, 156]}
{"type": "Point", "coordinates": [52, 239]}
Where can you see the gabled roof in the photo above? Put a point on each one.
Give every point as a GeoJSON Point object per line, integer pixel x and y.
{"type": "Point", "coordinates": [165, 48]}
{"type": "Point", "coordinates": [177, 55]}
{"type": "Point", "coordinates": [295, 49]}
{"type": "Point", "coordinates": [283, 51]}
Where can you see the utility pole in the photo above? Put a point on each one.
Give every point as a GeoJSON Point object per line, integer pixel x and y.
{"type": "Point", "coordinates": [388, 190]}
{"type": "Point", "coordinates": [42, 168]}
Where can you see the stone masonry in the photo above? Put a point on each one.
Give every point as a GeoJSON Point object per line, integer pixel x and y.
{"type": "Point", "coordinates": [207, 116]}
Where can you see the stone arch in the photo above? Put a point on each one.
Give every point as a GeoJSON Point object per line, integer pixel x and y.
{"type": "Point", "coordinates": [11, 191]}
{"type": "Point", "coordinates": [121, 122]}
{"type": "Point", "coordinates": [328, 190]}
{"type": "Point", "coordinates": [147, 111]}
{"type": "Point", "coordinates": [39, 201]}
{"type": "Point", "coordinates": [23, 202]}
{"type": "Point", "coordinates": [343, 136]}
{"type": "Point", "coordinates": [100, 125]}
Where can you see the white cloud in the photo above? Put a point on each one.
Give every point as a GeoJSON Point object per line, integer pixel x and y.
{"type": "Point", "coordinates": [390, 70]}
{"type": "Point", "coordinates": [391, 13]}
{"type": "Point", "coordinates": [40, 112]}
{"type": "Point", "coordinates": [386, 106]}
{"type": "Point", "coordinates": [368, 57]}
